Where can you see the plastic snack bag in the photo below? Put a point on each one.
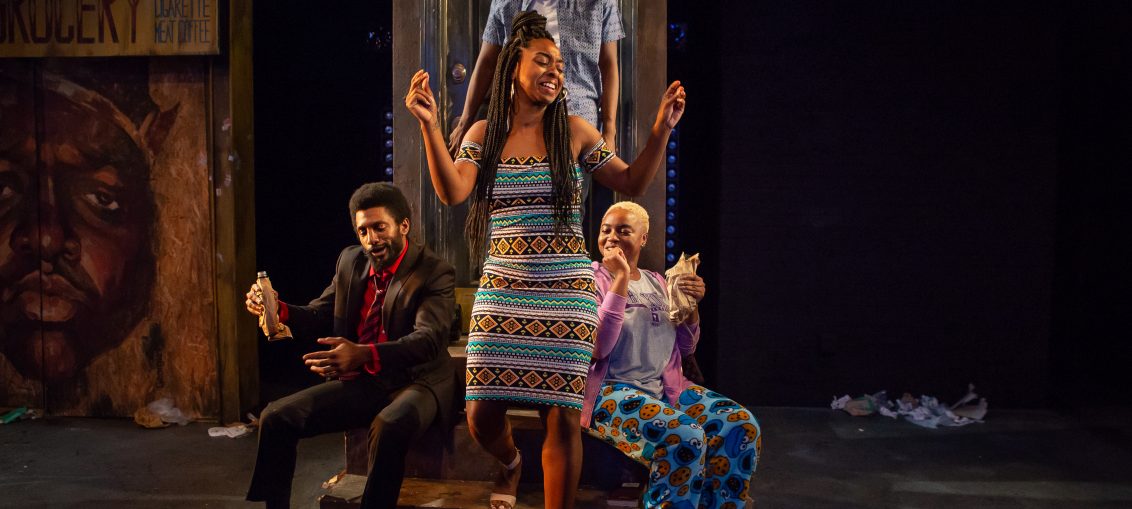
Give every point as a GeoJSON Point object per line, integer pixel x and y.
{"type": "Point", "coordinates": [680, 305]}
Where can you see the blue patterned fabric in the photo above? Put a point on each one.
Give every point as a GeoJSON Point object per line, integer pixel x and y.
{"type": "Point", "coordinates": [701, 453]}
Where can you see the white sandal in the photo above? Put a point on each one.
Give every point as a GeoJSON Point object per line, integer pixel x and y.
{"type": "Point", "coordinates": [503, 500]}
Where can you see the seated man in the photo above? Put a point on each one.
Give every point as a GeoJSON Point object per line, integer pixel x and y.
{"type": "Point", "coordinates": [387, 311]}
{"type": "Point", "coordinates": [701, 447]}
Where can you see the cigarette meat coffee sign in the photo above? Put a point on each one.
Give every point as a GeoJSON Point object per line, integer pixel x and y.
{"type": "Point", "coordinates": [99, 28]}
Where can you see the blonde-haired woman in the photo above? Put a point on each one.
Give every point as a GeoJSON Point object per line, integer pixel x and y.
{"type": "Point", "coordinates": [701, 447]}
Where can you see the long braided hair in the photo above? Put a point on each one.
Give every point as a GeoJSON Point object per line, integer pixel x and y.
{"type": "Point", "coordinates": [526, 27]}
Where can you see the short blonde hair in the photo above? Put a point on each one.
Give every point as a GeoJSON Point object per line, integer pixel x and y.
{"type": "Point", "coordinates": [631, 208]}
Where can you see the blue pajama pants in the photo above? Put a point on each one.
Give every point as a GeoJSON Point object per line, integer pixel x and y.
{"type": "Point", "coordinates": [701, 453]}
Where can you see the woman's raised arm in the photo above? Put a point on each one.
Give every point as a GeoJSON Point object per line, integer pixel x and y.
{"type": "Point", "coordinates": [452, 181]}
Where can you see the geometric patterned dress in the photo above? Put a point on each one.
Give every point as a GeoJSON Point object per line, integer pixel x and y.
{"type": "Point", "coordinates": [535, 313]}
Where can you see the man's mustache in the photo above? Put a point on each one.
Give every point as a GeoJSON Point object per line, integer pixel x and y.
{"type": "Point", "coordinates": [19, 275]}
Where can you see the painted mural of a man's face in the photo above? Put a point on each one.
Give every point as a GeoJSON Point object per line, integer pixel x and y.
{"type": "Point", "coordinates": [76, 220]}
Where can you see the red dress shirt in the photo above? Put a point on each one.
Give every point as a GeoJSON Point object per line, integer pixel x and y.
{"type": "Point", "coordinates": [372, 300]}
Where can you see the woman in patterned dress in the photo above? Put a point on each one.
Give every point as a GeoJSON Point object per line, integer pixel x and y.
{"type": "Point", "coordinates": [535, 313]}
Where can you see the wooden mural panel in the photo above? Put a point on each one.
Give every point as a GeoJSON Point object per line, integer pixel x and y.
{"type": "Point", "coordinates": [20, 331]}
{"type": "Point", "coordinates": [101, 28]}
{"type": "Point", "coordinates": [107, 295]}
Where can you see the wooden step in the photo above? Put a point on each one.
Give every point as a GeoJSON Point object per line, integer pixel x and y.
{"type": "Point", "coordinates": [422, 493]}
{"type": "Point", "coordinates": [456, 456]}
{"type": "Point", "coordinates": [451, 456]}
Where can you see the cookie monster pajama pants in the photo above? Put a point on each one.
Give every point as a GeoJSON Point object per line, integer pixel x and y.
{"type": "Point", "coordinates": [701, 453]}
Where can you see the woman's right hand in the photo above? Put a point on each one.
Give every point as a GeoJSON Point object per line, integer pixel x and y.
{"type": "Point", "coordinates": [420, 100]}
{"type": "Point", "coordinates": [614, 261]}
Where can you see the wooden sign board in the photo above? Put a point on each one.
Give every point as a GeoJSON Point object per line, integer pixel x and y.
{"type": "Point", "coordinates": [102, 28]}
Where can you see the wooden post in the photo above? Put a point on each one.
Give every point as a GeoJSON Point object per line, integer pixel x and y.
{"type": "Point", "coordinates": [644, 81]}
{"type": "Point", "coordinates": [233, 172]}
{"type": "Point", "coordinates": [407, 146]}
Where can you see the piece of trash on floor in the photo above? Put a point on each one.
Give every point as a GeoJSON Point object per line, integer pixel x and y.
{"type": "Point", "coordinates": [167, 412]}
{"type": "Point", "coordinates": [887, 411]}
{"type": "Point", "coordinates": [13, 415]}
{"type": "Point", "coordinates": [20, 414]}
{"type": "Point", "coordinates": [145, 418]}
{"type": "Point", "coordinates": [236, 430]}
{"type": "Point", "coordinates": [925, 411]}
{"type": "Point", "coordinates": [159, 414]}
{"type": "Point", "coordinates": [859, 407]}
{"type": "Point", "coordinates": [974, 411]}
{"type": "Point", "coordinates": [333, 480]}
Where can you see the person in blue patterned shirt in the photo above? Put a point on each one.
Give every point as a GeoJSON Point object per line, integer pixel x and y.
{"type": "Point", "coordinates": [586, 31]}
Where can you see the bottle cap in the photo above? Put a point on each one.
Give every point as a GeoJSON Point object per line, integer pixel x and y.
{"type": "Point", "coordinates": [261, 274]}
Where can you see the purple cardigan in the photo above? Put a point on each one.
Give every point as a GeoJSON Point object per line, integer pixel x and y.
{"type": "Point", "coordinates": [610, 315]}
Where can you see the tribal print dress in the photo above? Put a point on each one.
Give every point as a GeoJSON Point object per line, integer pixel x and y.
{"type": "Point", "coordinates": [534, 316]}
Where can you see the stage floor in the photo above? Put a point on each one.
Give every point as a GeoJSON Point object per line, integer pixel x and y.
{"type": "Point", "coordinates": [812, 458]}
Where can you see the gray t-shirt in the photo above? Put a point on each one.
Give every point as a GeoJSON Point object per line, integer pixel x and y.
{"type": "Point", "coordinates": [582, 27]}
{"type": "Point", "coordinates": [647, 338]}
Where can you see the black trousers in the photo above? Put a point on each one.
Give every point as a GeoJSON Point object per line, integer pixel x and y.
{"type": "Point", "coordinates": [395, 415]}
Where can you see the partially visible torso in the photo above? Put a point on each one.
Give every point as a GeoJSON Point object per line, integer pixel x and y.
{"type": "Point", "coordinates": [647, 338]}
{"type": "Point", "coordinates": [522, 219]}
{"type": "Point", "coordinates": [402, 298]}
{"type": "Point", "coordinates": [581, 28]}
{"type": "Point", "coordinates": [549, 10]}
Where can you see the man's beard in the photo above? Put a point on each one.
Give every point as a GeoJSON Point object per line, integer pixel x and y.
{"type": "Point", "coordinates": [392, 252]}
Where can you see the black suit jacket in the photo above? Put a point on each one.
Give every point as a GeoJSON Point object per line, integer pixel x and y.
{"type": "Point", "coordinates": [417, 316]}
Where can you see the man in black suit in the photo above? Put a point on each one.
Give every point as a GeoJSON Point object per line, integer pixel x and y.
{"type": "Point", "coordinates": [388, 312]}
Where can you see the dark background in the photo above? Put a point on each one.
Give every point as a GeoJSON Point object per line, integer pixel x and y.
{"type": "Point", "coordinates": [910, 196]}
{"type": "Point", "coordinates": [322, 91]}
{"type": "Point", "coordinates": [907, 196]}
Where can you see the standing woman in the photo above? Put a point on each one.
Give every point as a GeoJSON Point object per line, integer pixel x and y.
{"type": "Point", "coordinates": [535, 313]}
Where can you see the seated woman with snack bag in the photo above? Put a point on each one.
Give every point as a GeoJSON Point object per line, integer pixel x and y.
{"type": "Point", "coordinates": [701, 448]}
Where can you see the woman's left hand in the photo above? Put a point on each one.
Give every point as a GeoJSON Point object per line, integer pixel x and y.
{"type": "Point", "coordinates": [671, 106]}
{"type": "Point", "coordinates": [693, 286]}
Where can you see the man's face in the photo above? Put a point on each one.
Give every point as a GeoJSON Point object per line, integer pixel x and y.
{"type": "Point", "coordinates": [382, 237]}
{"type": "Point", "coordinates": [74, 229]}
